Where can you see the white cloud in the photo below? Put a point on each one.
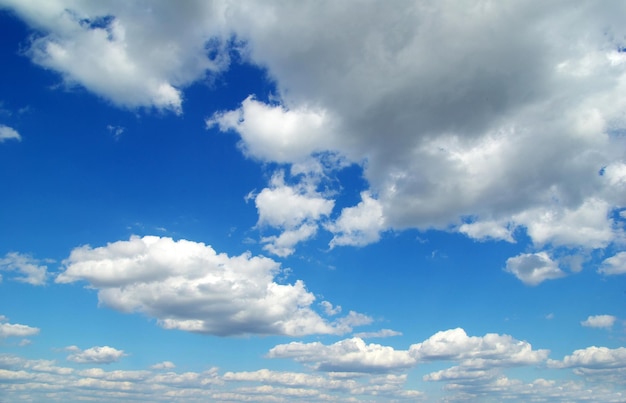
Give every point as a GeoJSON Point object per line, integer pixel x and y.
{"type": "Point", "coordinates": [126, 53]}
{"type": "Point", "coordinates": [593, 358]}
{"type": "Point", "coordinates": [533, 268]}
{"type": "Point", "coordinates": [354, 355]}
{"type": "Point", "coordinates": [614, 265]}
{"type": "Point", "coordinates": [29, 269]}
{"type": "Point", "coordinates": [359, 225]}
{"type": "Point", "coordinates": [284, 244]}
{"type": "Point", "coordinates": [491, 350]}
{"type": "Point", "coordinates": [350, 355]}
{"type": "Point", "coordinates": [329, 309]}
{"type": "Point", "coordinates": [8, 133]}
{"type": "Point", "coordinates": [293, 209]}
{"type": "Point", "coordinates": [94, 355]}
{"type": "Point", "coordinates": [15, 329]}
{"type": "Point", "coordinates": [285, 206]}
{"type": "Point", "coordinates": [599, 321]}
{"type": "Point", "coordinates": [275, 133]}
{"type": "Point", "coordinates": [440, 139]}
{"type": "Point", "coordinates": [189, 286]}
{"type": "Point", "coordinates": [454, 135]}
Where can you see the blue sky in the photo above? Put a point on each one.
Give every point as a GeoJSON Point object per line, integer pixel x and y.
{"type": "Point", "coordinates": [312, 201]}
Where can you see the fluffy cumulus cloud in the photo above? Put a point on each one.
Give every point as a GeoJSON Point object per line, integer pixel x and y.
{"type": "Point", "coordinates": [614, 265]}
{"type": "Point", "coordinates": [443, 142]}
{"type": "Point", "coordinates": [292, 209]}
{"type": "Point", "coordinates": [94, 355]}
{"type": "Point", "coordinates": [189, 286]}
{"type": "Point", "coordinates": [533, 268]}
{"type": "Point", "coordinates": [472, 352]}
{"type": "Point", "coordinates": [134, 55]}
{"type": "Point", "coordinates": [15, 329]}
{"type": "Point", "coordinates": [513, 120]}
{"type": "Point", "coordinates": [605, 321]}
{"type": "Point", "coordinates": [8, 133]}
{"type": "Point", "coordinates": [593, 358]}
{"type": "Point", "coordinates": [28, 269]}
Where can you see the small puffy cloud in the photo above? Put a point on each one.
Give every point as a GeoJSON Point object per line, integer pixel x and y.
{"type": "Point", "coordinates": [29, 269]}
{"type": "Point", "coordinates": [284, 244]}
{"type": "Point", "coordinates": [359, 225]}
{"type": "Point", "coordinates": [188, 286]}
{"type": "Point", "coordinates": [605, 321]}
{"type": "Point", "coordinates": [163, 365]}
{"type": "Point", "coordinates": [491, 350]}
{"type": "Point", "coordinates": [295, 210]}
{"type": "Point", "coordinates": [593, 358]}
{"type": "Point", "coordinates": [350, 355]}
{"type": "Point", "coordinates": [614, 265]}
{"type": "Point", "coordinates": [275, 133]}
{"type": "Point", "coordinates": [486, 230]}
{"type": "Point", "coordinates": [94, 355]}
{"type": "Point", "coordinates": [285, 206]}
{"type": "Point", "coordinates": [8, 133]}
{"type": "Point", "coordinates": [533, 268]}
{"type": "Point", "coordinates": [329, 309]}
{"type": "Point", "coordinates": [15, 329]}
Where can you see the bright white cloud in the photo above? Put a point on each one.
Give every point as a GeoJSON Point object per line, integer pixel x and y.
{"type": "Point", "coordinates": [533, 268]}
{"type": "Point", "coordinates": [329, 309]}
{"type": "Point", "coordinates": [189, 286]}
{"type": "Point", "coordinates": [15, 329]}
{"type": "Point", "coordinates": [285, 206]}
{"type": "Point", "coordinates": [94, 355]}
{"type": "Point", "coordinates": [359, 225]}
{"type": "Point", "coordinates": [350, 355]}
{"type": "Point", "coordinates": [614, 265]}
{"type": "Point", "coordinates": [491, 350]}
{"type": "Point", "coordinates": [8, 133]}
{"type": "Point", "coordinates": [599, 321]}
{"type": "Point", "coordinates": [134, 55]}
{"type": "Point", "coordinates": [354, 355]}
{"type": "Point", "coordinates": [293, 209]}
{"type": "Point", "coordinates": [438, 143]}
{"type": "Point", "coordinates": [593, 358]}
{"type": "Point", "coordinates": [29, 270]}
{"type": "Point", "coordinates": [275, 133]}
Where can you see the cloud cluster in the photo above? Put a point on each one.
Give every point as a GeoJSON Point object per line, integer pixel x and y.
{"type": "Point", "coordinates": [354, 355]}
{"type": "Point", "coordinates": [29, 270]}
{"type": "Point", "coordinates": [189, 286]}
{"type": "Point", "coordinates": [491, 119]}
{"type": "Point", "coordinates": [94, 355]}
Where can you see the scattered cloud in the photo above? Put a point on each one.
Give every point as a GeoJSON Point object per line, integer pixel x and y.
{"type": "Point", "coordinates": [354, 355]}
{"type": "Point", "coordinates": [15, 329]}
{"type": "Point", "coordinates": [8, 133]}
{"type": "Point", "coordinates": [602, 321]}
{"type": "Point", "coordinates": [28, 269]}
{"type": "Point", "coordinates": [94, 355]}
{"type": "Point", "coordinates": [116, 131]}
{"type": "Point", "coordinates": [329, 309]}
{"type": "Point", "coordinates": [593, 358]}
{"type": "Point", "coordinates": [533, 268]}
{"type": "Point", "coordinates": [614, 265]}
{"type": "Point", "coordinates": [359, 225]}
{"type": "Point", "coordinates": [189, 286]}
